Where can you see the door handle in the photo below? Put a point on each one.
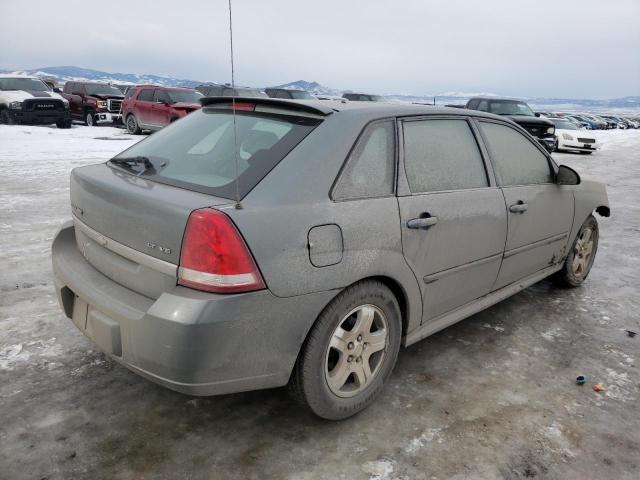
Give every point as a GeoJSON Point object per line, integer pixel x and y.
{"type": "Point", "coordinates": [422, 223]}
{"type": "Point", "coordinates": [519, 207]}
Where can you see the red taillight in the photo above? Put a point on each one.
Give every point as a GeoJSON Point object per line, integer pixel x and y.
{"type": "Point", "coordinates": [214, 256]}
{"type": "Point", "coordinates": [250, 107]}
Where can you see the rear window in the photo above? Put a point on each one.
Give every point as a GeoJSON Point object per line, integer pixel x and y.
{"type": "Point", "coordinates": [199, 151]}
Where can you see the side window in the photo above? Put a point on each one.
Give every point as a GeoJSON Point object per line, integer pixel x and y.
{"type": "Point", "coordinates": [483, 106]}
{"type": "Point", "coordinates": [516, 160]}
{"type": "Point", "coordinates": [67, 87]}
{"type": "Point", "coordinates": [442, 155]}
{"type": "Point", "coordinates": [145, 95]}
{"type": "Point", "coordinates": [160, 96]}
{"type": "Point", "coordinates": [370, 169]}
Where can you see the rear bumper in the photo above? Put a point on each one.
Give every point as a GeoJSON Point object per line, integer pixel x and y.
{"type": "Point", "coordinates": [193, 342]}
{"type": "Point", "coordinates": [44, 117]}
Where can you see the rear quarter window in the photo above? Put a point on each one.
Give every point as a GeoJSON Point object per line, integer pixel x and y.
{"type": "Point", "coordinates": [370, 169]}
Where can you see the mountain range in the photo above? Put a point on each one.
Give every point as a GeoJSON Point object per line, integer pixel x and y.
{"type": "Point", "coordinates": [65, 73]}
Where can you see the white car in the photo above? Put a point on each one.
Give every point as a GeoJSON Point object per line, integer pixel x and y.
{"type": "Point", "coordinates": [569, 137]}
{"type": "Point", "coordinates": [30, 101]}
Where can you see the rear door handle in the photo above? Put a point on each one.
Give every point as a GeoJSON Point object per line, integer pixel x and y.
{"type": "Point", "coordinates": [519, 207]}
{"type": "Point", "coordinates": [422, 223]}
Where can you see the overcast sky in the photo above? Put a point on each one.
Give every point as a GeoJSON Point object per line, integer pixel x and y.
{"type": "Point", "coordinates": [552, 48]}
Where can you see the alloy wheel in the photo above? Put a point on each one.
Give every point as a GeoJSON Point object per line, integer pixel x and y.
{"type": "Point", "coordinates": [583, 252]}
{"type": "Point", "coordinates": [356, 350]}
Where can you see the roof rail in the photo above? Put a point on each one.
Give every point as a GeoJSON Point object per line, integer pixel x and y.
{"type": "Point", "coordinates": [272, 102]}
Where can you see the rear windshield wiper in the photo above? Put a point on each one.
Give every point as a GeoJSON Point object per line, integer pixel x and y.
{"type": "Point", "coordinates": [129, 162]}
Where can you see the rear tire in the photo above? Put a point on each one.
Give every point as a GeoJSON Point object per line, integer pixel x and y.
{"type": "Point", "coordinates": [578, 263]}
{"type": "Point", "coordinates": [132, 125]}
{"type": "Point", "coordinates": [350, 352]}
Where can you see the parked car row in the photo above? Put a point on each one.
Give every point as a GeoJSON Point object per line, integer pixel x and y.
{"type": "Point", "coordinates": [592, 121]}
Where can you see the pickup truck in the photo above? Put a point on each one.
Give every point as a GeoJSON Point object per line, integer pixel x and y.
{"type": "Point", "coordinates": [541, 129]}
{"type": "Point", "coordinates": [29, 101]}
{"type": "Point", "coordinates": [94, 103]}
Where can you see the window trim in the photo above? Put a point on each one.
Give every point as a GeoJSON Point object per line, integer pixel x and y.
{"type": "Point", "coordinates": [345, 162]}
{"type": "Point", "coordinates": [488, 167]}
{"type": "Point", "coordinates": [553, 167]}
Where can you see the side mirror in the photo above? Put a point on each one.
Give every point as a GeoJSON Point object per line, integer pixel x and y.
{"type": "Point", "coordinates": [79, 94]}
{"type": "Point", "coordinates": [537, 114]}
{"type": "Point", "coordinates": [57, 90]}
{"type": "Point", "coordinates": [567, 176]}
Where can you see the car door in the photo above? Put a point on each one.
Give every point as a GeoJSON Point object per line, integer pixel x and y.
{"type": "Point", "coordinates": [540, 212]}
{"type": "Point", "coordinates": [75, 92]}
{"type": "Point", "coordinates": [144, 101]}
{"type": "Point", "coordinates": [453, 215]}
{"type": "Point", "coordinates": [160, 108]}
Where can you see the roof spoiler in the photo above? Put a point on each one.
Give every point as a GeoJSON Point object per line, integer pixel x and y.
{"type": "Point", "coordinates": [272, 102]}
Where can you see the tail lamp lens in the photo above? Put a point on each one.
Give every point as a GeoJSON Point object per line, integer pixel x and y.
{"type": "Point", "coordinates": [214, 256]}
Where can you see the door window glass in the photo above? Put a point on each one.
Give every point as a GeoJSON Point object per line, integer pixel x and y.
{"type": "Point", "coordinates": [145, 95]}
{"type": "Point", "coordinates": [516, 160]}
{"type": "Point", "coordinates": [442, 155]}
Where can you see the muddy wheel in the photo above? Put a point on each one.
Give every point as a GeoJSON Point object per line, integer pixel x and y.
{"type": "Point", "coordinates": [132, 125]}
{"type": "Point", "coordinates": [578, 264]}
{"type": "Point", "coordinates": [350, 352]}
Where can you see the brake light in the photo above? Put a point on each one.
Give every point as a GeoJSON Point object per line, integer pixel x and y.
{"type": "Point", "coordinates": [214, 256]}
{"type": "Point", "coordinates": [249, 107]}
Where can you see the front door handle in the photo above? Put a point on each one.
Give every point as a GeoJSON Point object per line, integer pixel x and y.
{"type": "Point", "coordinates": [422, 223]}
{"type": "Point", "coordinates": [519, 207]}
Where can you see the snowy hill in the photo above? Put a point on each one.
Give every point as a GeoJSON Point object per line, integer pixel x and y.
{"type": "Point", "coordinates": [63, 74]}
{"type": "Point", "coordinates": [312, 87]}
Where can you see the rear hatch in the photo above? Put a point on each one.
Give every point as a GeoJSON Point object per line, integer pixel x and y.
{"type": "Point", "coordinates": [131, 212]}
{"type": "Point", "coordinates": [123, 222]}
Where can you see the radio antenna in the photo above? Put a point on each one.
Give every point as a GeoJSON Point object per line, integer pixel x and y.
{"type": "Point", "coordinates": [233, 109]}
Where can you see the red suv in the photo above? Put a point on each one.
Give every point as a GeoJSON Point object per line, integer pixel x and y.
{"type": "Point", "coordinates": [147, 107]}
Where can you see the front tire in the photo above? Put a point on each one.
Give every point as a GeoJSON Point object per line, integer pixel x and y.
{"type": "Point", "coordinates": [63, 124]}
{"type": "Point", "coordinates": [5, 118]}
{"type": "Point", "coordinates": [350, 352]}
{"type": "Point", "coordinates": [89, 118]}
{"type": "Point", "coordinates": [578, 263]}
{"type": "Point", "coordinates": [583, 152]}
{"type": "Point", "coordinates": [132, 125]}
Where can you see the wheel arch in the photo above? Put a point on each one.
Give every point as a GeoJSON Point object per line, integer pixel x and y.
{"type": "Point", "coordinates": [603, 210]}
{"type": "Point", "coordinates": [398, 291]}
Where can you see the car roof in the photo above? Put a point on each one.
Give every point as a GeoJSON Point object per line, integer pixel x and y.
{"type": "Point", "coordinates": [369, 110]}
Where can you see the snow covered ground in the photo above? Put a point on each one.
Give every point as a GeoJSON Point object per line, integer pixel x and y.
{"type": "Point", "coordinates": [491, 397]}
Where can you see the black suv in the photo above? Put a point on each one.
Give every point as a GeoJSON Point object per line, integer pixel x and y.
{"type": "Point", "coordinates": [289, 94]}
{"type": "Point", "coordinates": [363, 97]}
{"type": "Point", "coordinates": [227, 91]}
{"type": "Point", "coordinates": [521, 113]}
